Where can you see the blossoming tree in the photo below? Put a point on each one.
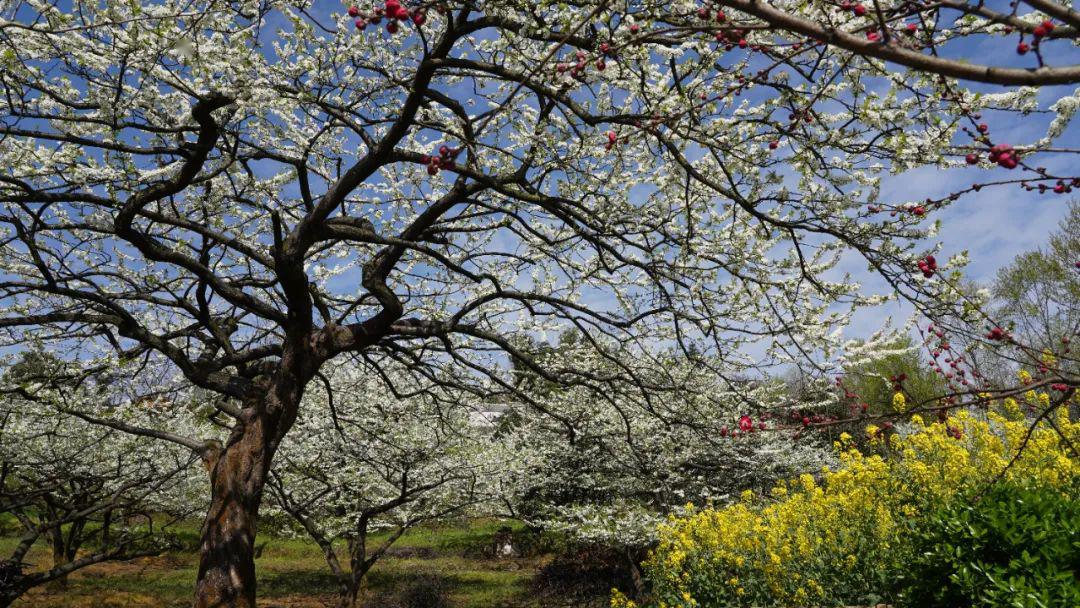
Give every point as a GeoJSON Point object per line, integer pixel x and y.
{"type": "Point", "coordinates": [609, 468]}
{"type": "Point", "coordinates": [617, 469]}
{"type": "Point", "coordinates": [362, 461]}
{"type": "Point", "coordinates": [249, 190]}
{"type": "Point", "coordinates": [92, 493]}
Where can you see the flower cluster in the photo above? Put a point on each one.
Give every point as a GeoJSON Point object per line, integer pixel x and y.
{"type": "Point", "coordinates": [394, 13]}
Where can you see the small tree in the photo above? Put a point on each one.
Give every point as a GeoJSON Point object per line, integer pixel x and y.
{"type": "Point", "coordinates": [365, 460]}
{"type": "Point", "coordinates": [91, 493]}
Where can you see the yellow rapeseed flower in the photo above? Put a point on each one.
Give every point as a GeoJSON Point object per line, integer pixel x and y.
{"type": "Point", "coordinates": [848, 523]}
{"type": "Point", "coordinates": [899, 402]}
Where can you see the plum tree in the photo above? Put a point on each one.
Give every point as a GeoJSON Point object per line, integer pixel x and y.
{"type": "Point", "coordinates": [363, 461]}
{"type": "Point", "coordinates": [609, 468]}
{"type": "Point", "coordinates": [92, 493]}
{"type": "Point", "coordinates": [249, 190]}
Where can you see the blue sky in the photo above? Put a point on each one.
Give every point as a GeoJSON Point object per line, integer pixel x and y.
{"type": "Point", "coordinates": [993, 226]}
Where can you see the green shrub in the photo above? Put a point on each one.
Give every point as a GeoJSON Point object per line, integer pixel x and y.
{"type": "Point", "coordinates": [1012, 547]}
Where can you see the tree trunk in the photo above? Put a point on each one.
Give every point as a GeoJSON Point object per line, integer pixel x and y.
{"type": "Point", "coordinates": [227, 552]}
{"type": "Point", "coordinates": [350, 590]}
{"type": "Point", "coordinates": [354, 583]}
{"type": "Point", "coordinates": [635, 573]}
{"type": "Point", "coordinates": [59, 558]}
{"type": "Point", "coordinates": [238, 472]}
{"type": "Point", "coordinates": [353, 579]}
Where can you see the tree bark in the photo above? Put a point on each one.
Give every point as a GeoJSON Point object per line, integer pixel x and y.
{"type": "Point", "coordinates": [238, 474]}
{"type": "Point", "coordinates": [353, 582]}
{"type": "Point", "coordinates": [227, 552]}
{"type": "Point", "coordinates": [635, 573]}
{"type": "Point", "coordinates": [350, 591]}
{"type": "Point", "coordinates": [361, 561]}
{"type": "Point", "coordinates": [353, 579]}
{"type": "Point", "coordinates": [59, 558]}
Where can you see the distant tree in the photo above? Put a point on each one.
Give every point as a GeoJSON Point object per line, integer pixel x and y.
{"type": "Point", "coordinates": [902, 368]}
{"type": "Point", "coordinates": [1038, 293]}
{"type": "Point", "coordinates": [365, 461]}
{"type": "Point", "coordinates": [91, 493]}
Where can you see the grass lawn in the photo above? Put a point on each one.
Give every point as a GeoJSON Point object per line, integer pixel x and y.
{"type": "Point", "coordinates": [292, 574]}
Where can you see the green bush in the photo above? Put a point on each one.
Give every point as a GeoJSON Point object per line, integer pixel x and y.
{"type": "Point", "coordinates": [1011, 547]}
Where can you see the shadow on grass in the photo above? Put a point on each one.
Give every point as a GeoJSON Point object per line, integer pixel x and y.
{"type": "Point", "coordinates": [459, 586]}
{"type": "Point", "coordinates": [297, 582]}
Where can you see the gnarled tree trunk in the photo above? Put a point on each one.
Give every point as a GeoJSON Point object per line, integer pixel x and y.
{"type": "Point", "coordinates": [238, 473]}
{"type": "Point", "coordinates": [227, 551]}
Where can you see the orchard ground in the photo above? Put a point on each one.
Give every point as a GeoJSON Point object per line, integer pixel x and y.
{"type": "Point", "coordinates": [453, 561]}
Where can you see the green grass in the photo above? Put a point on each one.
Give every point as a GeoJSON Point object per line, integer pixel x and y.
{"type": "Point", "coordinates": [293, 574]}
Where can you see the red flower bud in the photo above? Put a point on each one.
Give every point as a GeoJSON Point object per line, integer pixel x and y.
{"type": "Point", "coordinates": [745, 423]}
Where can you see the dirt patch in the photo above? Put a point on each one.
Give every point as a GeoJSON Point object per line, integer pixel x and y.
{"type": "Point", "coordinates": [135, 567]}
{"type": "Point", "coordinates": [425, 590]}
{"type": "Point", "coordinates": [120, 599]}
